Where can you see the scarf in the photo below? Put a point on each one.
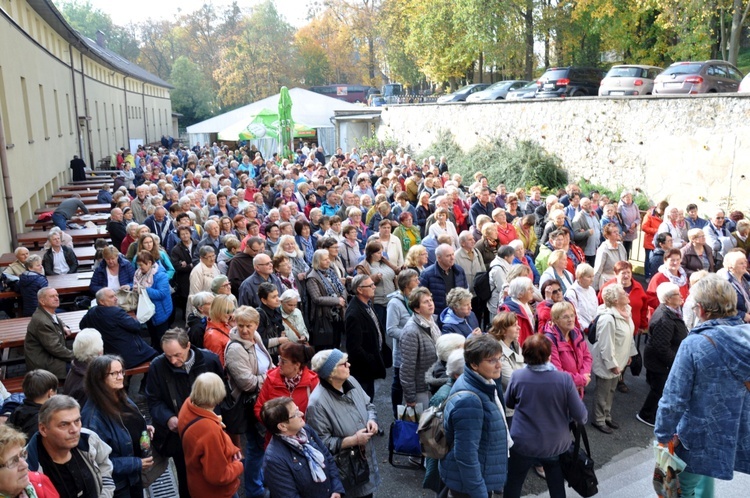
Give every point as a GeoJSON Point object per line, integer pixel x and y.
{"type": "Point", "coordinates": [147, 279]}
{"type": "Point", "coordinates": [292, 382]}
{"type": "Point", "coordinates": [679, 280]}
{"type": "Point", "coordinates": [315, 459]}
{"type": "Point", "coordinates": [429, 325]}
{"type": "Point", "coordinates": [307, 246]}
{"type": "Point", "coordinates": [289, 283]}
{"type": "Point", "coordinates": [547, 367]}
{"type": "Point", "coordinates": [331, 282]}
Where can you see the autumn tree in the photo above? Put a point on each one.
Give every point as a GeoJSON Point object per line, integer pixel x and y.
{"type": "Point", "coordinates": [192, 95]}
{"type": "Point", "coordinates": [87, 20]}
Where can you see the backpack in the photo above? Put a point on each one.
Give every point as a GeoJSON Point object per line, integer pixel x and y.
{"type": "Point", "coordinates": [482, 286]}
{"type": "Point", "coordinates": [431, 429]}
{"type": "Point", "coordinates": [592, 330]}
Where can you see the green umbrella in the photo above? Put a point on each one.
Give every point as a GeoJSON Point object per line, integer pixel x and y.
{"type": "Point", "coordinates": [286, 124]}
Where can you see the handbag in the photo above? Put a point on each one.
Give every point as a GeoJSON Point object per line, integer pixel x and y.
{"type": "Point", "coordinates": [577, 465]}
{"type": "Point", "coordinates": [236, 412]}
{"type": "Point", "coordinates": [146, 308]}
{"type": "Point", "coordinates": [353, 467]}
{"type": "Point", "coordinates": [300, 337]}
{"type": "Point", "coordinates": [321, 331]}
{"type": "Point", "coordinates": [127, 299]}
{"type": "Point", "coordinates": [404, 437]}
{"type": "Point", "coordinates": [667, 471]}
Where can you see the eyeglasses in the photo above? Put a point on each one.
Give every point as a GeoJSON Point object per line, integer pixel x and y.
{"type": "Point", "coordinates": [13, 462]}
{"type": "Point", "coordinates": [116, 374]}
{"type": "Point", "coordinates": [344, 363]}
{"type": "Point", "coordinates": [297, 414]}
{"type": "Point", "coordinates": [720, 218]}
{"type": "Point", "coordinates": [493, 361]}
{"type": "Point", "coordinates": [556, 291]}
{"type": "Point", "coordinates": [366, 286]}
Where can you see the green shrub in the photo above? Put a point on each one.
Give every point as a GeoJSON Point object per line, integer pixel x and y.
{"type": "Point", "coordinates": [374, 145]}
{"type": "Point", "coordinates": [641, 200]}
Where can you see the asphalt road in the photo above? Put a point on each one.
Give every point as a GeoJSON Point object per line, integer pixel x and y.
{"type": "Point", "coordinates": [632, 434]}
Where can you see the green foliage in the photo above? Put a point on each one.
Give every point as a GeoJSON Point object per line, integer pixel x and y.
{"type": "Point", "coordinates": [374, 145]}
{"type": "Point", "coordinates": [520, 164]}
{"type": "Point", "coordinates": [192, 95]}
{"type": "Point", "coordinates": [641, 200]}
{"type": "Point", "coordinates": [87, 20]}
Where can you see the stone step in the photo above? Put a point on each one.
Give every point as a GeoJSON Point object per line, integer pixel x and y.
{"type": "Point", "coordinates": [628, 475]}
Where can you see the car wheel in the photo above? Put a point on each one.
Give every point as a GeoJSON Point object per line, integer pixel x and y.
{"type": "Point", "coordinates": [500, 98]}
{"type": "Point", "coordinates": [713, 90]}
{"type": "Point", "coordinates": [578, 93]}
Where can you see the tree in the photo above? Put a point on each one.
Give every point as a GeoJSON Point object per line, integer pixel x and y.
{"type": "Point", "coordinates": [160, 46]}
{"type": "Point", "coordinates": [192, 95]}
{"type": "Point", "coordinates": [87, 20]}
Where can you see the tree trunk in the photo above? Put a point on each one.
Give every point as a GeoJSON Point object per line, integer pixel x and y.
{"type": "Point", "coordinates": [481, 67]}
{"type": "Point", "coordinates": [528, 15]}
{"type": "Point", "coordinates": [371, 58]}
{"type": "Point", "coordinates": [739, 15]}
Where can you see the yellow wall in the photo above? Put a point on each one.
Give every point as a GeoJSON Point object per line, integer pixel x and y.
{"type": "Point", "coordinates": [41, 121]}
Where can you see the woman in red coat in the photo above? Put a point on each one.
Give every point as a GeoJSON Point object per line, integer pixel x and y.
{"type": "Point", "coordinates": [650, 227]}
{"type": "Point", "coordinates": [570, 354]}
{"type": "Point", "coordinates": [670, 271]}
{"type": "Point", "coordinates": [291, 378]}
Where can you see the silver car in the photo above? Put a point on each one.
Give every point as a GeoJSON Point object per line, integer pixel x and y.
{"type": "Point", "coordinates": [497, 91]}
{"type": "Point", "coordinates": [526, 92]}
{"type": "Point", "coordinates": [712, 76]}
{"type": "Point", "coordinates": [629, 79]}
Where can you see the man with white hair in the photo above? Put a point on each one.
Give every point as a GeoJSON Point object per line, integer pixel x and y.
{"type": "Point", "coordinates": [718, 237]}
{"type": "Point", "coordinates": [139, 204]}
{"type": "Point", "coordinates": [46, 333]}
{"type": "Point", "coordinates": [211, 236]}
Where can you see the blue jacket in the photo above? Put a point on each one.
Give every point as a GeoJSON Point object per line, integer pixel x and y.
{"type": "Point", "coordinates": [706, 402]}
{"type": "Point", "coordinates": [161, 295]}
{"type": "Point", "coordinates": [29, 284]}
{"type": "Point", "coordinates": [126, 467]}
{"type": "Point", "coordinates": [477, 462]}
{"type": "Point", "coordinates": [121, 334]}
{"type": "Point", "coordinates": [431, 279]}
{"type": "Point", "coordinates": [286, 472]}
{"type": "Point", "coordinates": [164, 261]}
{"type": "Point", "coordinates": [99, 278]}
{"type": "Point", "coordinates": [452, 324]}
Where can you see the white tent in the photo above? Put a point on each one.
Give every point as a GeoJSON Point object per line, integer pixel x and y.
{"type": "Point", "coordinates": [309, 108]}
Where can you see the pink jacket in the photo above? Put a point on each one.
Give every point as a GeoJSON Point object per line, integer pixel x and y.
{"type": "Point", "coordinates": [571, 356]}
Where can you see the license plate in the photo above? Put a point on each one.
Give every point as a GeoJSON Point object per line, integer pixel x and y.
{"type": "Point", "coordinates": [673, 84]}
{"type": "Point", "coordinates": [549, 86]}
{"type": "Point", "coordinates": [617, 93]}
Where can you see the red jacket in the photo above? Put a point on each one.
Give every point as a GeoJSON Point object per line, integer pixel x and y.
{"type": "Point", "coordinates": [274, 387]}
{"type": "Point", "coordinates": [660, 278]}
{"type": "Point", "coordinates": [571, 356]}
{"type": "Point", "coordinates": [650, 226]}
{"type": "Point", "coordinates": [209, 453]}
{"type": "Point", "coordinates": [524, 321]}
{"type": "Point", "coordinates": [639, 303]}
{"type": "Point", "coordinates": [42, 485]}
{"type": "Point", "coordinates": [544, 315]}
{"type": "Point", "coordinates": [216, 338]}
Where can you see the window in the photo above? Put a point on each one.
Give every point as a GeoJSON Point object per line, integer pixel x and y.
{"type": "Point", "coordinates": [70, 113]}
{"type": "Point", "coordinates": [27, 111]}
{"type": "Point", "coordinates": [734, 74]}
{"type": "Point", "coordinates": [57, 114]}
{"type": "Point", "coordinates": [4, 109]}
{"type": "Point", "coordinates": [44, 112]}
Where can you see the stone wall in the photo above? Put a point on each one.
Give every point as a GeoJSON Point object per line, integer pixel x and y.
{"type": "Point", "coordinates": [684, 149]}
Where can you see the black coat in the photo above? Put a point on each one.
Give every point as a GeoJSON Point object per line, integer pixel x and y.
{"type": "Point", "coordinates": [48, 262]}
{"type": "Point", "coordinates": [362, 342]}
{"type": "Point", "coordinates": [121, 334]}
{"type": "Point", "coordinates": [666, 331]}
{"type": "Point", "coordinates": [181, 277]}
{"type": "Point", "coordinates": [118, 231]}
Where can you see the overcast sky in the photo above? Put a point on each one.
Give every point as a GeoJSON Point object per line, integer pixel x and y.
{"type": "Point", "coordinates": [125, 12]}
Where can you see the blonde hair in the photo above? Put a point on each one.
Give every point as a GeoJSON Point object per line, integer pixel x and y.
{"type": "Point", "coordinates": [413, 254]}
{"type": "Point", "coordinates": [208, 390]}
{"type": "Point", "coordinates": [247, 314]}
{"type": "Point", "coordinates": [222, 306]}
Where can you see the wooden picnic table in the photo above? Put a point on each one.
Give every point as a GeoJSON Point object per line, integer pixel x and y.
{"type": "Point", "coordinates": [13, 331]}
{"type": "Point", "coordinates": [94, 180]}
{"type": "Point", "coordinates": [72, 283]}
{"type": "Point", "coordinates": [67, 194]}
{"type": "Point", "coordinates": [85, 255]}
{"type": "Point", "coordinates": [93, 186]}
{"type": "Point", "coordinates": [56, 201]}
{"type": "Point", "coordinates": [97, 219]}
{"type": "Point", "coordinates": [93, 208]}
{"type": "Point", "coordinates": [36, 238]}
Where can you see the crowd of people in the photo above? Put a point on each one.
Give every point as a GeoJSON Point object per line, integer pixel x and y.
{"type": "Point", "coordinates": [301, 282]}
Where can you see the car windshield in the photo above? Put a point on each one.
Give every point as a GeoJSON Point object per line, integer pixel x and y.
{"type": "Point", "coordinates": [498, 85]}
{"type": "Point", "coordinates": [464, 89]}
{"type": "Point", "coordinates": [692, 68]}
{"type": "Point", "coordinates": [554, 74]}
{"type": "Point", "coordinates": [531, 85]}
{"type": "Point", "coordinates": [626, 72]}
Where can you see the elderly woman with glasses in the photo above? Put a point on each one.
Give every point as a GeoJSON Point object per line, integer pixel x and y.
{"type": "Point", "coordinates": [297, 462]}
{"type": "Point", "coordinates": [15, 479]}
{"type": "Point", "coordinates": [666, 331]}
{"type": "Point", "coordinates": [327, 297]}
{"type": "Point", "coordinates": [697, 255]}
{"type": "Point", "coordinates": [117, 420]}
{"type": "Point", "coordinates": [570, 353]}
{"type": "Point", "coordinates": [344, 417]}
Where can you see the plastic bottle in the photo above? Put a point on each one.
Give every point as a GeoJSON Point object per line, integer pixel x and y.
{"type": "Point", "coordinates": [145, 445]}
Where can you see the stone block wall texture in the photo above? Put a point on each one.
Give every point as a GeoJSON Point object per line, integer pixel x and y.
{"type": "Point", "coordinates": [682, 149]}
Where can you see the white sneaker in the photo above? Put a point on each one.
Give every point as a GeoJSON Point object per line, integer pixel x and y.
{"type": "Point", "coordinates": [638, 416]}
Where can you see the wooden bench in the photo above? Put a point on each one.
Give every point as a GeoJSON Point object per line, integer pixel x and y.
{"type": "Point", "coordinates": [15, 384]}
{"type": "Point", "coordinates": [56, 201]}
{"type": "Point", "coordinates": [93, 208]}
{"type": "Point", "coordinates": [97, 219]}
{"type": "Point", "coordinates": [85, 255]}
{"type": "Point", "coordinates": [85, 236]}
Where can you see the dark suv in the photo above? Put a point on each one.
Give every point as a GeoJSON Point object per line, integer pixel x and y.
{"type": "Point", "coordinates": [569, 82]}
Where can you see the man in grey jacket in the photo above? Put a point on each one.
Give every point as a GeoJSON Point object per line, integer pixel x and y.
{"type": "Point", "coordinates": [75, 459]}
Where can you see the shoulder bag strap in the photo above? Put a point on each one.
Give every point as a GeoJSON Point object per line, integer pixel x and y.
{"type": "Point", "coordinates": [585, 437]}
{"type": "Point", "coordinates": [167, 375]}
{"type": "Point", "coordinates": [294, 329]}
{"type": "Point", "coordinates": [190, 424]}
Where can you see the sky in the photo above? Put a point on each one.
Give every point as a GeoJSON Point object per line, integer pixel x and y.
{"type": "Point", "coordinates": [126, 12]}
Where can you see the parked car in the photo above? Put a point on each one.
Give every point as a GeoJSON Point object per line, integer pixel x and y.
{"type": "Point", "coordinates": [377, 101]}
{"type": "Point", "coordinates": [496, 91]}
{"type": "Point", "coordinates": [569, 82]}
{"type": "Point", "coordinates": [373, 96]}
{"type": "Point", "coordinates": [463, 92]}
{"type": "Point", "coordinates": [712, 76]}
{"type": "Point", "coordinates": [629, 79]}
{"type": "Point", "coordinates": [745, 84]}
{"type": "Point", "coordinates": [525, 92]}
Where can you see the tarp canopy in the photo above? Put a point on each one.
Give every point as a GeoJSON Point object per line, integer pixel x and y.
{"type": "Point", "coordinates": [264, 124]}
{"type": "Point", "coordinates": [311, 109]}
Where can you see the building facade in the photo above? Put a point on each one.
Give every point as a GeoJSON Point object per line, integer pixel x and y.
{"type": "Point", "coordinates": [62, 94]}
